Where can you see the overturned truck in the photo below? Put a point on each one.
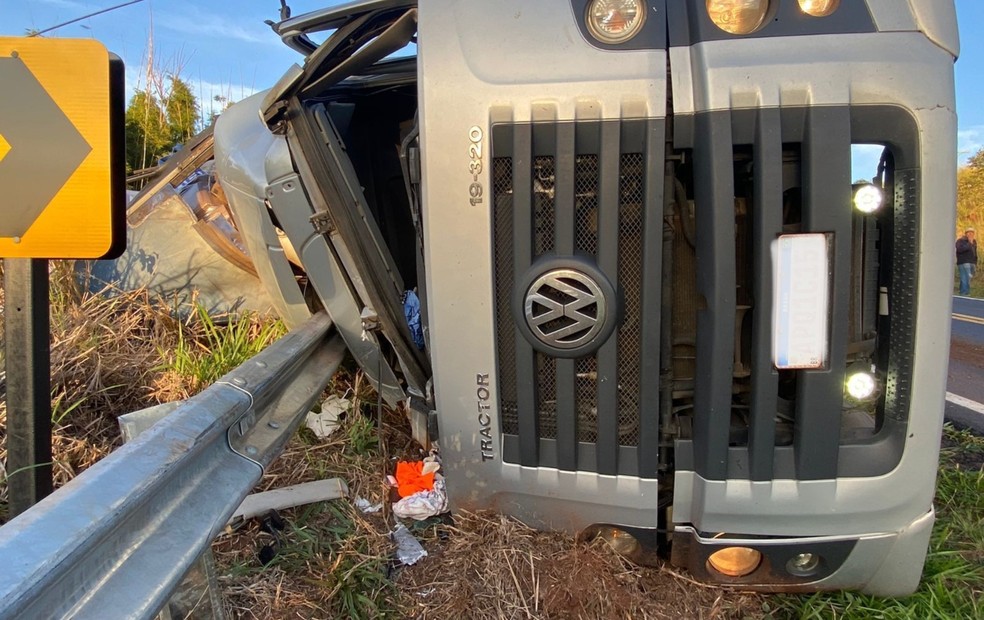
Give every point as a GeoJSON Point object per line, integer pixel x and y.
{"type": "Point", "coordinates": [654, 305]}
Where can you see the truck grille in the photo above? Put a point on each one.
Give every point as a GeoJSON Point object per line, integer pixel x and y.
{"type": "Point", "coordinates": [592, 191]}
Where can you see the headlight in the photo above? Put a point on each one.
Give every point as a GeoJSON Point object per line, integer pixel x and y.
{"type": "Point", "coordinates": [868, 198]}
{"type": "Point", "coordinates": [861, 386]}
{"type": "Point", "coordinates": [615, 21]}
{"type": "Point", "coordinates": [819, 8]}
{"type": "Point", "coordinates": [735, 561]}
{"type": "Point", "coordinates": [738, 16]}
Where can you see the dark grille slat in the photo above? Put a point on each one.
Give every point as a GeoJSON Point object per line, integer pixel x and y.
{"type": "Point", "coordinates": [564, 190]}
{"type": "Point", "coordinates": [826, 209]}
{"type": "Point", "coordinates": [567, 414]}
{"type": "Point", "coordinates": [652, 259]}
{"type": "Point", "coordinates": [502, 175]}
{"type": "Point", "coordinates": [607, 378]}
{"type": "Point", "coordinates": [630, 267]}
{"type": "Point", "coordinates": [766, 227]}
{"type": "Point", "coordinates": [715, 219]}
{"type": "Point", "coordinates": [526, 402]}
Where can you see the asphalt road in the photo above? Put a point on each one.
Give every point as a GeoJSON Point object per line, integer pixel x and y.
{"type": "Point", "coordinates": [965, 383]}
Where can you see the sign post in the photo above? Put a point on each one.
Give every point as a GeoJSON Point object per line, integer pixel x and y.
{"type": "Point", "coordinates": [27, 355]}
{"type": "Point", "coordinates": [63, 187]}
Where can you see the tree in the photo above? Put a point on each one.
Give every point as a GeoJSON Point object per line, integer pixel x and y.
{"type": "Point", "coordinates": [147, 133]}
{"type": "Point", "coordinates": [182, 111]}
{"type": "Point", "coordinates": [970, 194]}
{"type": "Point", "coordinates": [157, 120]}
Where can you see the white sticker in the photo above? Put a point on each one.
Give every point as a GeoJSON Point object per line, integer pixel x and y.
{"type": "Point", "coordinates": [801, 314]}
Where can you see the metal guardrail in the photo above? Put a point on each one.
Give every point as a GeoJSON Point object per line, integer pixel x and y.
{"type": "Point", "coordinates": [117, 539]}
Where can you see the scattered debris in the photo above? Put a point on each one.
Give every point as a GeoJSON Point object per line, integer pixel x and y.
{"type": "Point", "coordinates": [273, 524]}
{"type": "Point", "coordinates": [411, 310]}
{"type": "Point", "coordinates": [420, 487]}
{"type": "Point", "coordinates": [366, 506]}
{"type": "Point", "coordinates": [411, 478]}
{"type": "Point", "coordinates": [408, 549]}
{"type": "Point", "coordinates": [423, 504]}
{"type": "Point", "coordinates": [288, 497]}
{"type": "Point", "coordinates": [333, 411]}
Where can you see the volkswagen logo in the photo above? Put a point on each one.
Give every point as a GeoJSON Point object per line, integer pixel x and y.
{"type": "Point", "coordinates": [565, 309]}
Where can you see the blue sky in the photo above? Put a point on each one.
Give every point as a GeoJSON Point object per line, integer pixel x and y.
{"type": "Point", "coordinates": [225, 49]}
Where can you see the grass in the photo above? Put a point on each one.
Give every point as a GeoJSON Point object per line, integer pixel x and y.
{"type": "Point", "coordinates": [209, 347]}
{"type": "Point", "coordinates": [333, 561]}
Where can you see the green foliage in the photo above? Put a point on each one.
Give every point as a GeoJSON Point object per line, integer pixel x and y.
{"type": "Point", "coordinates": [970, 194]}
{"type": "Point", "coordinates": [147, 132]}
{"type": "Point", "coordinates": [207, 350]}
{"type": "Point", "coordinates": [362, 437]}
{"type": "Point", "coordinates": [182, 112]}
{"type": "Point", "coordinates": [156, 123]}
{"type": "Point", "coordinates": [323, 546]}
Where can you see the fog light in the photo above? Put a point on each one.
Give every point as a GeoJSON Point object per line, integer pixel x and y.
{"type": "Point", "coordinates": [868, 198]}
{"type": "Point", "coordinates": [615, 21]}
{"type": "Point", "coordinates": [861, 385]}
{"type": "Point", "coordinates": [621, 542]}
{"type": "Point", "coordinates": [819, 8]}
{"type": "Point", "coordinates": [803, 564]}
{"type": "Point", "coordinates": [735, 561]}
{"type": "Point", "coordinates": [738, 16]}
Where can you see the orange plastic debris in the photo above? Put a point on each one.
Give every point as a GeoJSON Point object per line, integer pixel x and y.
{"type": "Point", "coordinates": [410, 478]}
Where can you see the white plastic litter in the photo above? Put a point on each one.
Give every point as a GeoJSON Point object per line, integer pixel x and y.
{"type": "Point", "coordinates": [408, 549]}
{"type": "Point", "coordinates": [327, 422]}
{"type": "Point", "coordinates": [423, 504]}
{"type": "Point", "coordinates": [366, 507]}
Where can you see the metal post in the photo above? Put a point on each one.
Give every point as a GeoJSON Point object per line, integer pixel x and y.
{"type": "Point", "coordinates": [28, 363]}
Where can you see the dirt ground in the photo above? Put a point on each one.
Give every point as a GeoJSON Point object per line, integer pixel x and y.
{"type": "Point", "coordinates": [478, 566]}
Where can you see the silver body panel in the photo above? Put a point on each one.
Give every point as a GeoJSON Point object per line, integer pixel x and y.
{"type": "Point", "coordinates": [242, 146]}
{"type": "Point", "coordinates": [258, 173]}
{"type": "Point", "coordinates": [465, 85]}
{"type": "Point", "coordinates": [916, 75]}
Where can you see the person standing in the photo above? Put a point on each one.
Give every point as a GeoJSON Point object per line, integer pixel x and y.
{"type": "Point", "coordinates": [966, 259]}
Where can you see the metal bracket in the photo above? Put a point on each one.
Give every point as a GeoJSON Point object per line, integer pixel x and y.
{"type": "Point", "coordinates": [370, 320]}
{"type": "Point", "coordinates": [322, 223]}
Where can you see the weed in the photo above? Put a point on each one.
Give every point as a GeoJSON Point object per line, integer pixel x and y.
{"type": "Point", "coordinates": [325, 549]}
{"type": "Point", "coordinates": [362, 437]}
{"type": "Point", "coordinates": [206, 350]}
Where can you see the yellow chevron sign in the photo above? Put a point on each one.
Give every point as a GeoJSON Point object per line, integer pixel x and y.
{"type": "Point", "coordinates": [59, 174]}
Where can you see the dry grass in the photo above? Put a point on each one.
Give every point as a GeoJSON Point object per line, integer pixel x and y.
{"type": "Point", "coordinates": [103, 360]}
{"type": "Point", "coordinates": [495, 567]}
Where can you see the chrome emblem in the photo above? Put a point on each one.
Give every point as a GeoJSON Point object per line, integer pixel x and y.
{"type": "Point", "coordinates": [565, 308]}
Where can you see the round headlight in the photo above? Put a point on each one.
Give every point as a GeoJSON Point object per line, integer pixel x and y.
{"type": "Point", "coordinates": [738, 16]}
{"type": "Point", "coordinates": [735, 561]}
{"type": "Point", "coordinates": [861, 386]}
{"type": "Point", "coordinates": [868, 198]}
{"type": "Point", "coordinates": [819, 8]}
{"type": "Point", "coordinates": [615, 21]}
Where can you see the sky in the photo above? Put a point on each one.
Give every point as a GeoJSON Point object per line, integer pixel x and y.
{"type": "Point", "coordinates": [225, 50]}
